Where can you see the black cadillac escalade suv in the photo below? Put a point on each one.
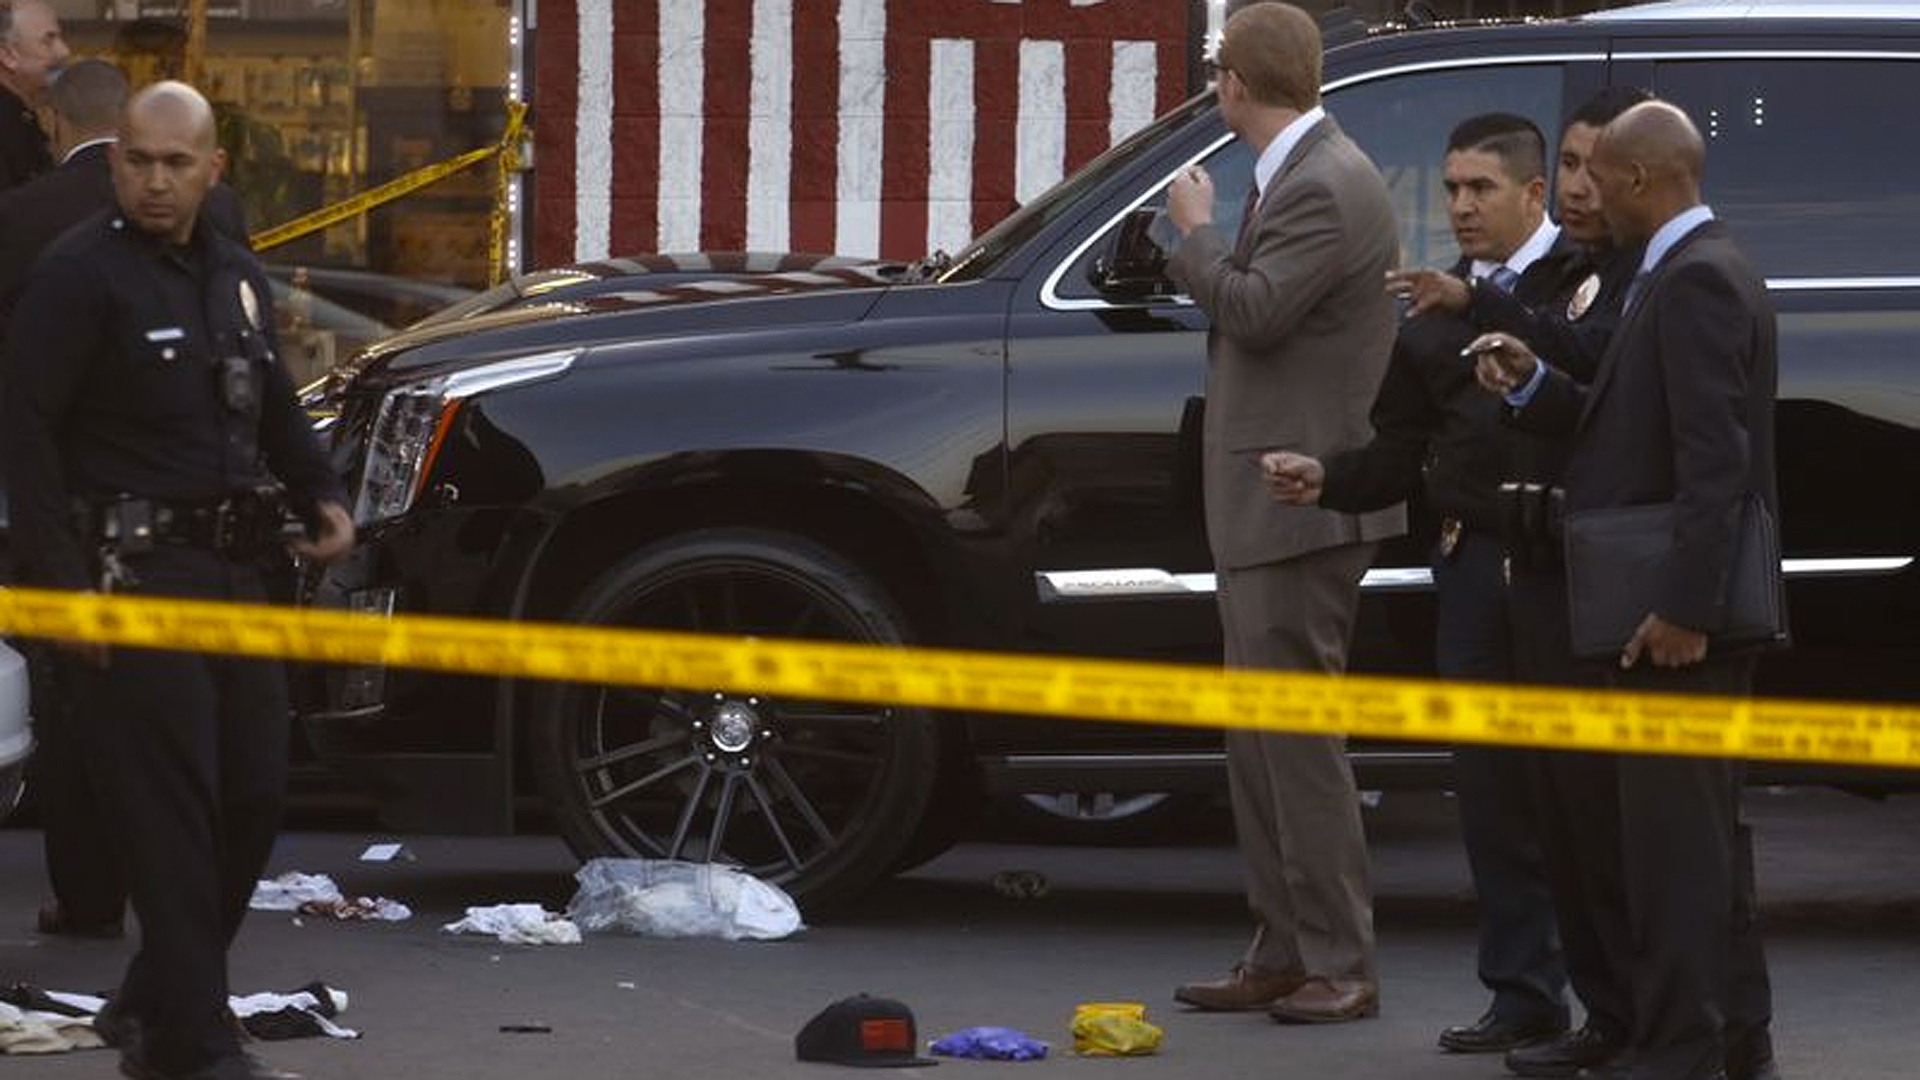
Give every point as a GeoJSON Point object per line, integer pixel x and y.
{"type": "Point", "coordinates": [999, 451]}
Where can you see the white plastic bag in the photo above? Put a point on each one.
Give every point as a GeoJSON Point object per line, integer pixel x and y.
{"type": "Point", "coordinates": [666, 898]}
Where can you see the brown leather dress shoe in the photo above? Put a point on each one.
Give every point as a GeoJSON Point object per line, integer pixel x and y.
{"type": "Point", "coordinates": [1245, 989]}
{"type": "Point", "coordinates": [1328, 1001]}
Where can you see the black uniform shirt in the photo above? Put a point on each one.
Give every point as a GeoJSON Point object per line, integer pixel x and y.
{"type": "Point", "coordinates": [112, 386]}
{"type": "Point", "coordinates": [23, 145]}
{"type": "Point", "coordinates": [1437, 432]}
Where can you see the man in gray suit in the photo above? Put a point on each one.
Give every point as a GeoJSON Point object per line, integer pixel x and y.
{"type": "Point", "coordinates": [1300, 336]}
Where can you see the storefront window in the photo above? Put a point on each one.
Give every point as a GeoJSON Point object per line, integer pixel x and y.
{"type": "Point", "coordinates": [320, 100]}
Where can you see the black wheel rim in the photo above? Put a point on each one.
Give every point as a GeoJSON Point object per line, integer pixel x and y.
{"type": "Point", "coordinates": [774, 786]}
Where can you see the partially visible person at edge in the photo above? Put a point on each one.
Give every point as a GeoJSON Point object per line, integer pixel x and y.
{"type": "Point", "coordinates": [1681, 411]}
{"type": "Point", "coordinates": [143, 385]}
{"type": "Point", "coordinates": [31, 51]}
{"type": "Point", "coordinates": [89, 894]}
{"type": "Point", "coordinates": [1438, 435]}
{"type": "Point", "coordinates": [1300, 336]}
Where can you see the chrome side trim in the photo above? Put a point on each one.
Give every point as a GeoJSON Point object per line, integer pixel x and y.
{"type": "Point", "coordinates": [1050, 297]}
{"type": "Point", "coordinates": [1764, 9]}
{"type": "Point", "coordinates": [1771, 54]}
{"type": "Point", "coordinates": [1147, 583]}
{"type": "Point", "coordinates": [1142, 583]}
{"type": "Point", "coordinates": [1866, 566]}
{"type": "Point", "coordinates": [1836, 283]}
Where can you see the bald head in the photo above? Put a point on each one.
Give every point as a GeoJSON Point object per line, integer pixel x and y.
{"type": "Point", "coordinates": [1662, 138]}
{"type": "Point", "coordinates": [167, 159]}
{"type": "Point", "coordinates": [1647, 164]}
{"type": "Point", "coordinates": [175, 107]}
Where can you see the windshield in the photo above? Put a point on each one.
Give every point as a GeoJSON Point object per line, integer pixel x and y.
{"type": "Point", "coordinates": [980, 257]}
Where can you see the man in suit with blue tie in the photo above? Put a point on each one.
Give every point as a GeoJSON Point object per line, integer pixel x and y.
{"type": "Point", "coordinates": [1300, 335]}
{"type": "Point", "coordinates": [1680, 412]}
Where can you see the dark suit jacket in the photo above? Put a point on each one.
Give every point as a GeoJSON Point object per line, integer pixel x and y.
{"type": "Point", "coordinates": [1300, 334]}
{"type": "Point", "coordinates": [23, 145]}
{"type": "Point", "coordinates": [1680, 411]}
{"type": "Point", "coordinates": [34, 215]}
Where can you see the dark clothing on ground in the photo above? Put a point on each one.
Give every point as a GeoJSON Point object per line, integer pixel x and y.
{"type": "Point", "coordinates": [114, 386]}
{"type": "Point", "coordinates": [23, 144]}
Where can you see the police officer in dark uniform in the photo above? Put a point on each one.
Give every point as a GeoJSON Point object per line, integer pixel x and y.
{"type": "Point", "coordinates": [145, 421]}
{"type": "Point", "coordinates": [1576, 793]}
{"type": "Point", "coordinates": [31, 50]}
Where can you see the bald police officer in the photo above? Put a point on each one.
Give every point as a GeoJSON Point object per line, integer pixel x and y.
{"type": "Point", "coordinates": [146, 420]}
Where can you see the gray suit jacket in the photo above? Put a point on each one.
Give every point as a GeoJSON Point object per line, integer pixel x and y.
{"type": "Point", "coordinates": [1302, 329]}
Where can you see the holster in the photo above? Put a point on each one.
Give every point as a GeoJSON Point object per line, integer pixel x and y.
{"type": "Point", "coordinates": [1530, 523]}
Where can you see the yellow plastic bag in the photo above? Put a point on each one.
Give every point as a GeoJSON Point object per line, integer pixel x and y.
{"type": "Point", "coordinates": [1114, 1029]}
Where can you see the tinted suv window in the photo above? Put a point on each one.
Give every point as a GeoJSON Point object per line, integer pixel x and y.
{"type": "Point", "coordinates": [1402, 123]}
{"type": "Point", "coordinates": [1812, 162]}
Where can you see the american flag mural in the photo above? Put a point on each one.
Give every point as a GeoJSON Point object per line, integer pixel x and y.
{"type": "Point", "coordinates": [861, 127]}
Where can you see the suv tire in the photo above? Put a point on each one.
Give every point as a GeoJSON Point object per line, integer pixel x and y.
{"type": "Point", "coordinates": [819, 798]}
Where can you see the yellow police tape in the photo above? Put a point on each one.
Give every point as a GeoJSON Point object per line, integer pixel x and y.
{"type": "Point", "coordinates": [1188, 695]}
{"type": "Point", "coordinates": [508, 147]}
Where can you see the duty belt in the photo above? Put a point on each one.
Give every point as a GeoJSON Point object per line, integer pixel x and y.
{"type": "Point", "coordinates": [242, 526]}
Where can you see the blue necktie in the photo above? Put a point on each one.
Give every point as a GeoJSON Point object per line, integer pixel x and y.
{"type": "Point", "coordinates": [1504, 278]}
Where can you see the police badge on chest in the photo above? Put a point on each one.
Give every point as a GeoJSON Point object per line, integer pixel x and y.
{"type": "Point", "coordinates": [1583, 298]}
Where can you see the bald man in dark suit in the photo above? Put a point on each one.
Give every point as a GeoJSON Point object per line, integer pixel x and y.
{"type": "Point", "coordinates": [1680, 412]}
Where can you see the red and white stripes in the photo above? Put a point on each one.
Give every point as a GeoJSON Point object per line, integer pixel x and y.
{"type": "Point", "coordinates": [863, 127]}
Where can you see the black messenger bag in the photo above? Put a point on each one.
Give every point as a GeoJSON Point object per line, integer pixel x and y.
{"type": "Point", "coordinates": [1616, 556]}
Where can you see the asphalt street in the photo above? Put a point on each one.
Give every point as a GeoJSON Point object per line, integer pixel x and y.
{"type": "Point", "coordinates": [1840, 884]}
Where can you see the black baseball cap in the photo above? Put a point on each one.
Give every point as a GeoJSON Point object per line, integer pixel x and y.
{"type": "Point", "coordinates": [866, 1031]}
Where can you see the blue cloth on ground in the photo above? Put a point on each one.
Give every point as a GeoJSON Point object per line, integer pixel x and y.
{"type": "Point", "coordinates": [990, 1044]}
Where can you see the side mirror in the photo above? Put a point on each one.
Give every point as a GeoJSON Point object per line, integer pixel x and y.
{"type": "Point", "coordinates": [1135, 266]}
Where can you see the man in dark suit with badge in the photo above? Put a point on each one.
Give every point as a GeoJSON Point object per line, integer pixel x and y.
{"type": "Point", "coordinates": [1679, 413]}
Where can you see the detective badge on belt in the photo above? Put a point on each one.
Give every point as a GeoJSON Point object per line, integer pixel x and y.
{"type": "Point", "coordinates": [1583, 297]}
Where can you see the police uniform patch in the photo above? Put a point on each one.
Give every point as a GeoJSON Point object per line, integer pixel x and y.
{"type": "Point", "coordinates": [250, 304]}
{"type": "Point", "coordinates": [1583, 297]}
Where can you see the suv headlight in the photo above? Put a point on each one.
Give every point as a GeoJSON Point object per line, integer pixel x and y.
{"type": "Point", "coordinates": [414, 419]}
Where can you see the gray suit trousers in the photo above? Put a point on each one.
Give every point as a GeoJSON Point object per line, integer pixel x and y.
{"type": "Point", "coordinates": [1295, 810]}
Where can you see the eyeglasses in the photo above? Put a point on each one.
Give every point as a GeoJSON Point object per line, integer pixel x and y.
{"type": "Point", "coordinates": [1214, 69]}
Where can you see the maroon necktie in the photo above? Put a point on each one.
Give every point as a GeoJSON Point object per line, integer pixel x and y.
{"type": "Point", "coordinates": [1246, 213]}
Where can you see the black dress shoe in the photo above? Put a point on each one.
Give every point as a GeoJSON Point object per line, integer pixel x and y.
{"type": "Point", "coordinates": [1494, 1033]}
{"type": "Point", "coordinates": [1763, 1070]}
{"type": "Point", "coordinates": [1588, 1048]}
